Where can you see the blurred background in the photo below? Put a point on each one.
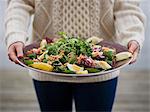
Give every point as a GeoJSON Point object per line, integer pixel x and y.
{"type": "Point", "coordinates": [133, 92]}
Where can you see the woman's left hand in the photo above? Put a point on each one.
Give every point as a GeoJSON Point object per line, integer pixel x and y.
{"type": "Point", "coordinates": [134, 48]}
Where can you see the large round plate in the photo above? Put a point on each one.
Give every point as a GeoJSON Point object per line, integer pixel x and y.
{"type": "Point", "coordinates": [117, 66]}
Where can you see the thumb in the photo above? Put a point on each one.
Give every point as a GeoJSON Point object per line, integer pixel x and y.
{"type": "Point", "coordinates": [19, 51]}
{"type": "Point", "coordinates": [132, 46]}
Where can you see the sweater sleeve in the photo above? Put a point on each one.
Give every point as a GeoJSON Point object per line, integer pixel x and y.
{"type": "Point", "coordinates": [17, 20]}
{"type": "Point", "coordinates": [129, 22]}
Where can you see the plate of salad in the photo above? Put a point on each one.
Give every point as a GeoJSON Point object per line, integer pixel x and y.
{"type": "Point", "coordinates": [75, 56]}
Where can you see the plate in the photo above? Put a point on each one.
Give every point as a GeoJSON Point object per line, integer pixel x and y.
{"type": "Point", "coordinates": [119, 65]}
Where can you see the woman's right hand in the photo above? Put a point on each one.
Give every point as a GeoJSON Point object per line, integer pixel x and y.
{"type": "Point", "coordinates": [15, 50]}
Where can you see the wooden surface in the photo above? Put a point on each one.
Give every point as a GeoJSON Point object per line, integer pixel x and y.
{"type": "Point", "coordinates": [17, 92]}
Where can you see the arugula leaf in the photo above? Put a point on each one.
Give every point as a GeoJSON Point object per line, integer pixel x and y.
{"type": "Point", "coordinates": [64, 59]}
{"type": "Point", "coordinates": [45, 61]}
{"type": "Point", "coordinates": [52, 50]}
{"type": "Point", "coordinates": [28, 62]}
{"type": "Point", "coordinates": [63, 34]}
{"type": "Point", "coordinates": [32, 56]}
{"type": "Point", "coordinates": [74, 45]}
{"type": "Point", "coordinates": [109, 54]}
{"type": "Point", "coordinates": [109, 61]}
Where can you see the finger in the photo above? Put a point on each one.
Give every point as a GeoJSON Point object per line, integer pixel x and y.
{"type": "Point", "coordinates": [19, 50]}
{"type": "Point", "coordinates": [12, 54]}
{"type": "Point", "coordinates": [132, 47]}
{"type": "Point", "coordinates": [14, 58]}
{"type": "Point", "coordinates": [134, 58]}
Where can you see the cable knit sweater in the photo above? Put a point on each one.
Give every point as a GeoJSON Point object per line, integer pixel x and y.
{"type": "Point", "coordinates": [114, 20]}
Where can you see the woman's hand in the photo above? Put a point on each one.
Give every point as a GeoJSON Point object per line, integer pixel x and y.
{"type": "Point", "coordinates": [134, 48]}
{"type": "Point", "coordinates": [15, 50]}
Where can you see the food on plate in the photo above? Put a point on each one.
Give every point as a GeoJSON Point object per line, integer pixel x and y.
{"type": "Point", "coordinates": [123, 55]}
{"type": "Point", "coordinates": [94, 40]}
{"type": "Point", "coordinates": [82, 72]}
{"type": "Point", "coordinates": [42, 66]}
{"type": "Point", "coordinates": [103, 64]}
{"type": "Point", "coordinates": [73, 55]}
{"type": "Point", "coordinates": [74, 67]}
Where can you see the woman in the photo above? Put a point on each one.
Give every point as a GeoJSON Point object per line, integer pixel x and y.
{"type": "Point", "coordinates": [119, 21]}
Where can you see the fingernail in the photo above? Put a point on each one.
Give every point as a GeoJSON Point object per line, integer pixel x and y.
{"type": "Point", "coordinates": [131, 52]}
{"type": "Point", "coordinates": [20, 56]}
{"type": "Point", "coordinates": [16, 62]}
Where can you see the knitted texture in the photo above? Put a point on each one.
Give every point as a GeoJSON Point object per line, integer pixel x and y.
{"type": "Point", "coordinates": [76, 17]}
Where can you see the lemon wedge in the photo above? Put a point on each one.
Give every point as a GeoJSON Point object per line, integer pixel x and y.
{"type": "Point", "coordinates": [42, 66]}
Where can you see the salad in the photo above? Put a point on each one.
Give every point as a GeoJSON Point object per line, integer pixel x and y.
{"type": "Point", "coordinates": [73, 55]}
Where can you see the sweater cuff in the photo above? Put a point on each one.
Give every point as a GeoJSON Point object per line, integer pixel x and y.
{"type": "Point", "coordinates": [16, 37]}
{"type": "Point", "coordinates": [126, 41]}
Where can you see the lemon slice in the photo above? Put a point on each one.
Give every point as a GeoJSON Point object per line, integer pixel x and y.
{"type": "Point", "coordinates": [42, 66]}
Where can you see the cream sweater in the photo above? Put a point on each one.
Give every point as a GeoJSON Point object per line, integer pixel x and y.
{"type": "Point", "coordinates": [114, 20]}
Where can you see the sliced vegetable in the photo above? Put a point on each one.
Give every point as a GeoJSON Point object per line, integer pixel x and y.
{"type": "Point", "coordinates": [93, 70]}
{"type": "Point", "coordinates": [69, 72]}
